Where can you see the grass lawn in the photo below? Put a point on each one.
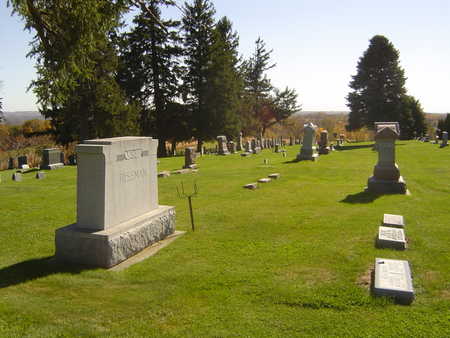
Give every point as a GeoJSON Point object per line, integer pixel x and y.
{"type": "Point", "coordinates": [289, 259]}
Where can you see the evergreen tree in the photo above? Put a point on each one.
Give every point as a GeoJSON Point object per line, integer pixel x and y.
{"type": "Point", "coordinates": [266, 105]}
{"type": "Point", "coordinates": [412, 118]}
{"type": "Point", "coordinates": [378, 86]}
{"type": "Point", "coordinates": [76, 63]}
{"type": "Point", "coordinates": [224, 84]}
{"type": "Point", "coordinates": [150, 70]}
{"type": "Point", "coordinates": [257, 85]}
{"type": "Point", "coordinates": [444, 124]}
{"type": "Point", "coordinates": [198, 27]}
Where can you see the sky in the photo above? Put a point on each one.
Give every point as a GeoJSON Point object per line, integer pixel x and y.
{"type": "Point", "coordinates": [316, 46]}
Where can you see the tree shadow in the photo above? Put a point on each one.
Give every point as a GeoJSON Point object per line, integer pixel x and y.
{"type": "Point", "coordinates": [340, 148]}
{"type": "Point", "coordinates": [361, 197]}
{"type": "Point", "coordinates": [36, 268]}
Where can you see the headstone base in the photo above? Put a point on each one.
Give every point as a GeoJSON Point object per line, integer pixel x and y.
{"type": "Point", "coordinates": [52, 166]}
{"type": "Point", "coordinates": [307, 157]}
{"type": "Point", "coordinates": [107, 248]}
{"type": "Point", "coordinates": [386, 187]}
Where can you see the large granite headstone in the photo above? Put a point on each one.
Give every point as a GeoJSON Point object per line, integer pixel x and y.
{"type": "Point", "coordinates": [324, 149]}
{"type": "Point", "coordinates": [222, 148]}
{"type": "Point", "coordinates": [393, 279]}
{"type": "Point", "coordinates": [117, 203]}
{"type": "Point", "coordinates": [308, 150]}
{"type": "Point", "coordinates": [51, 159]}
{"type": "Point", "coordinates": [189, 158]}
{"type": "Point", "coordinates": [386, 177]}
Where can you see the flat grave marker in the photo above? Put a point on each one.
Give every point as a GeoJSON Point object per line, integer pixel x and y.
{"type": "Point", "coordinates": [396, 221]}
{"type": "Point", "coordinates": [393, 279]}
{"type": "Point", "coordinates": [393, 238]}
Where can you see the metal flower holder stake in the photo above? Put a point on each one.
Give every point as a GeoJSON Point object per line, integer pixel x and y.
{"type": "Point", "coordinates": [183, 194]}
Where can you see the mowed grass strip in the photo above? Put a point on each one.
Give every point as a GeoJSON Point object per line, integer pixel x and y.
{"type": "Point", "coordinates": [291, 258]}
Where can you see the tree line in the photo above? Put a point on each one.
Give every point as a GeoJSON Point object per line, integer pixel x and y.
{"type": "Point", "coordinates": [171, 79]}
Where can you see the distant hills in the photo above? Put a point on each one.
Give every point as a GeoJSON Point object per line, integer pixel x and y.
{"type": "Point", "coordinates": [19, 117]}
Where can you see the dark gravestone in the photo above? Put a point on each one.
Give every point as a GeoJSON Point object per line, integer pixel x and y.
{"type": "Point", "coordinates": [22, 160]}
{"type": "Point", "coordinates": [73, 159]}
{"type": "Point", "coordinates": [51, 159]}
{"type": "Point", "coordinates": [189, 158]}
{"type": "Point", "coordinates": [13, 163]}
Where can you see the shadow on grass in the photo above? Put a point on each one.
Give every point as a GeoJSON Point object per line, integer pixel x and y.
{"type": "Point", "coordinates": [361, 197]}
{"type": "Point", "coordinates": [340, 148]}
{"type": "Point", "coordinates": [36, 268]}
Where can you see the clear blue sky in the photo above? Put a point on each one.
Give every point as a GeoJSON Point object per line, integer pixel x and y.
{"type": "Point", "coordinates": [316, 44]}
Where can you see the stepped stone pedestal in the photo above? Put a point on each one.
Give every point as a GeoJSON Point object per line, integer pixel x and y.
{"type": "Point", "coordinates": [386, 177]}
{"type": "Point", "coordinates": [117, 203]}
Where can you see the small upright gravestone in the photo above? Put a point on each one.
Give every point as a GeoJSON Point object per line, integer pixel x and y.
{"type": "Point", "coordinates": [386, 177]}
{"type": "Point", "coordinates": [232, 147]}
{"type": "Point", "coordinates": [17, 177]}
{"type": "Point", "coordinates": [248, 147]}
{"type": "Point", "coordinates": [240, 145]}
{"type": "Point", "coordinates": [444, 142]}
{"type": "Point", "coordinates": [117, 203]}
{"type": "Point", "coordinates": [222, 148]}
{"type": "Point", "coordinates": [22, 160]}
{"type": "Point", "coordinates": [189, 158]}
{"type": "Point", "coordinates": [308, 150]}
{"type": "Point", "coordinates": [324, 149]}
{"type": "Point", "coordinates": [51, 159]}
{"type": "Point", "coordinates": [256, 149]}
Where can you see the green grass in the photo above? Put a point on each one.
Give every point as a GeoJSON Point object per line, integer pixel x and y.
{"type": "Point", "coordinates": [289, 259]}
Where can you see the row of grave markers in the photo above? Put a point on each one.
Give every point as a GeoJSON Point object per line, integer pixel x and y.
{"type": "Point", "coordinates": [393, 277]}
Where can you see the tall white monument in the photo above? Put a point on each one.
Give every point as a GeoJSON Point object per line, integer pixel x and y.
{"type": "Point", "coordinates": [117, 203]}
{"type": "Point", "coordinates": [386, 177]}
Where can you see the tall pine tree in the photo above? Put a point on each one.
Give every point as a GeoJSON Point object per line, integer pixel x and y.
{"type": "Point", "coordinates": [150, 70]}
{"type": "Point", "coordinates": [76, 63]}
{"type": "Point", "coordinates": [224, 83]}
{"type": "Point", "coordinates": [378, 91]}
{"type": "Point", "coordinates": [198, 28]}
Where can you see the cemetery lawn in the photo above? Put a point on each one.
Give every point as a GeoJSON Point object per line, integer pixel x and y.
{"type": "Point", "coordinates": [292, 258]}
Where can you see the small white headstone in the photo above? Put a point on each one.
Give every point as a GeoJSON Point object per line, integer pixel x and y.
{"type": "Point", "coordinates": [396, 221]}
{"type": "Point", "coordinates": [393, 279]}
{"type": "Point", "coordinates": [251, 186]}
{"type": "Point", "coordinates": [274, 176]}
{"type": "Point", "coordinates": [391, 238]}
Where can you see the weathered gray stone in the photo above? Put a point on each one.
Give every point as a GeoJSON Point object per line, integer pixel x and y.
{"type": "Point", "coordinates": [51, 159]}
{"type": "Point", "coordinates": [251, 186]}
{"type": "Point", "coordinates": [264, 180]}
{"type": "Point", "coordinates": [274, 176]}
{"type": "Point", "coordinates": [17, 177]}
{"type": "Point", "coordinates": [164, 174]}
{"type": "Point", "coordinates": [240, 145]}
{"type": "Point", "coordinates": [232, 147]}
{"type": "Point", "coordinates": [189, 158]}
{"type": "Point", "coordinates": [393, 279]}
{"type": "Point", "coordinates": [393, 238]}
{"type": "Point", "coordinates": [324, 149]}
{"type": "Point", "coordinates": [396, 221]}
{"type": "Point", "coordinates": [106, 248]}
{"type": "Point", "coordinates": [255, 148]}
{"type": "Point", "coordinates": [222, 148]}
{"type": "Point", "coordinates": [117, 203]}
{"type": "Point", "coordinates": [444, 142]}
{"type": "Point", "coordinates": [386, 178]}
{"type": "Point", "coordinates": [40, 175]}
{"type": "Point", "coordinates": [308, 150]}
